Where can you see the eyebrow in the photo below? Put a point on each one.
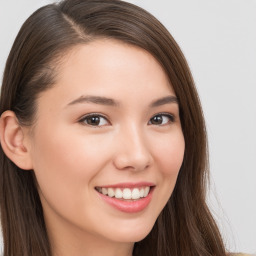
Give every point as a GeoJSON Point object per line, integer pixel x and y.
{"type": "Point", "coordinates": [96, 100]}
{"type": "Point", "coordinates": [111, 102]}
{"type": "Point", "coordinates": [164, 100]}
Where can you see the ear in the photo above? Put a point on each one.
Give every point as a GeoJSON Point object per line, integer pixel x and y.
{"type": "Point", "coordinates": [12, 138]}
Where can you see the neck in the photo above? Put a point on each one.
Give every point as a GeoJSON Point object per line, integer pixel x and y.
{"type": "Point", "coordinates": [88, 249]}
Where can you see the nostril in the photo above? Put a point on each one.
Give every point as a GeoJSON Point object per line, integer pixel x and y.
{"type": "Point", "coordinates": [132, 161]}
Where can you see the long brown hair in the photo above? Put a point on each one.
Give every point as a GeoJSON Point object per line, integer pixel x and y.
{"type": "Point", "coordinates": [185, 226]}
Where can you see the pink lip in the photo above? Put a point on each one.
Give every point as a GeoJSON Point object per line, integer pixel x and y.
{"type": "Point", "coordinates": [125, 205]}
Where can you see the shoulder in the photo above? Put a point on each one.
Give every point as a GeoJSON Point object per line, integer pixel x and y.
{"type": "Point", "coordinates": [239, 254]}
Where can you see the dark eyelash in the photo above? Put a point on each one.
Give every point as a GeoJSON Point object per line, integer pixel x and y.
{"type": "Point", "coordinates": [170, 116]}
{"type": "Point", "coordinates": [83, 118]}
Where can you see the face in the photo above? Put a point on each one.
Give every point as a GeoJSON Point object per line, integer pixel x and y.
{"type": "Point", "coordinates": [107, 145]}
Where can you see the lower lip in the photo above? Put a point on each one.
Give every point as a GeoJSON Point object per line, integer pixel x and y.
{"type": "Point", "coordinates": [129, 206]}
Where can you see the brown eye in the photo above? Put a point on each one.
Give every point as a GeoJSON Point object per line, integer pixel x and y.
{"type": "Point", "coordinates": [161, 119]}
{"type": "Point", "coordinates": [94, 120]}
{"type": "Point", "coordinates": [156, 120]}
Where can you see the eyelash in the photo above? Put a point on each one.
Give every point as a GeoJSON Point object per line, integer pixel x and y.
{"type": "Point", "coordinates": [84, 119]}
{"type": "Point", "coordinates": [168, 115]}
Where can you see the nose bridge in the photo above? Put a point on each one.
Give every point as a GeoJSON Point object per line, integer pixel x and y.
{"type": "Point", "coordinates": [136, 140]}
{"type": "Point", "coordinates": [133, 152]}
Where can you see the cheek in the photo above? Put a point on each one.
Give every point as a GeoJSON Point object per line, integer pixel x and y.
{"type": "Point", "coordinates": [169, 153]}
{"type": "Point", "coordinates": [65, 168]}
{"type": "Point", "coordinates": [62, 162]}
{"type": "Point", "coordinates": [70, 155]}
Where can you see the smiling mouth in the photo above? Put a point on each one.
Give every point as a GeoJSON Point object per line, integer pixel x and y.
{"type": "Point", "coordinates": [125, 193]}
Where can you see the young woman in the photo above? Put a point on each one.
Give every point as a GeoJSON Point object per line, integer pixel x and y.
{"type": "Point", "coordinates": [103, 142]}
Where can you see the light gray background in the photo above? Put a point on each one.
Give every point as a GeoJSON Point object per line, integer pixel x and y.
{"type": "Point", "coordinates": [218, 37]}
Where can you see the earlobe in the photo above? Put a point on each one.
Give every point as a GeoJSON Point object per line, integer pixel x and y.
{"type": "Point", "coordinates": [12, 139]}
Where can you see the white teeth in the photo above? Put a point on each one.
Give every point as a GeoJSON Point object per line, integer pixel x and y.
{"type": "Point", "coordinates": [146, 191]}
{"type": "Point", "coordinates": [141, 192]}
{"type": "Point", "coordinates": [111, 192]}
{"type": "Point", "coordinates": [104, 191]}
{"type": "Point", "coordinates": [118, 193]}
{"type": "Point", "coordinates": [126, 193]}
{"type": "Point", "coordinates": [135, 193]}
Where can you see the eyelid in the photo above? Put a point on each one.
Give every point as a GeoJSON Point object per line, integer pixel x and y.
{"type": "Point", "coordinates": [84, 117]}
{"type": "Point", "coordinates": [167, 114]}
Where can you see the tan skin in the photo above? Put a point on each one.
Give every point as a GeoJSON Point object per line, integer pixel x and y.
{"type": "Point", "coordinates": [134, 136]}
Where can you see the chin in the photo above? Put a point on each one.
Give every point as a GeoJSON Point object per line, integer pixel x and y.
{"type": "Point", "coordinates": [132, 235]}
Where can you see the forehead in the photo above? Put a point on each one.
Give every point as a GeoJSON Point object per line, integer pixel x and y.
{"type": "Point", "coordinates": [110, 68]}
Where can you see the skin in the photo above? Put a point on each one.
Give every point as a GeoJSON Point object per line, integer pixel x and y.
{"type": "Point", "coordinates": [70, 157]}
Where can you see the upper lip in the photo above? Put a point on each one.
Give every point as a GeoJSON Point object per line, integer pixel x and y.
{"type": "Point", "coordinates": [129, 185]}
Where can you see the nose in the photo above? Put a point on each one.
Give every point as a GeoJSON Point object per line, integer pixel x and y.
{"type": "Point", "coordinates": [133, 151]}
